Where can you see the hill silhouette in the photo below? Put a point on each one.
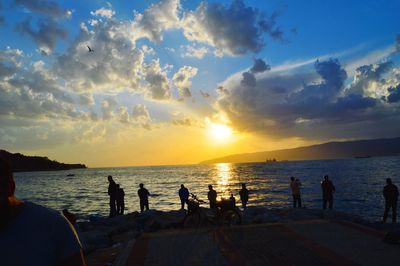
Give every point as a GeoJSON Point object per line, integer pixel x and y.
{"type": "Point", "coordinates": [23, 163]}
{"type": "Point", "coordinates": [329, 150]}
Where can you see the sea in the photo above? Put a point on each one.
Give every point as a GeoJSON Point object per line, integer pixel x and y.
{"type": "Point", "coordinates": [359, 184]}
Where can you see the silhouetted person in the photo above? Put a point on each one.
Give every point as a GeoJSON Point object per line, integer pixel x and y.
{"type": "Point", "coordinates": [232, 199]}
{"type": "Point", "coordinates": [327, 192]}
{"type": "Point", "coordinates": [212, 197]}
{"type": "Point", "coordinates": [244, 195]}
{"type": "Point", "coordinates": [70, 216]}
{"type": "Point", "coordinates": [295, 186]}
{"type": "Point", "coordinates": [143, 197]}
{"type": "Point", "coordinates": [31, 234]}
{"type": "Point", "coordinates": [112, 192]}
{"type": "Point", "coordinates": [183, 195]}
{"type": "Point", "coordinates": [120, 200]}
{"type": "Point", "coordinates": [391, 194]}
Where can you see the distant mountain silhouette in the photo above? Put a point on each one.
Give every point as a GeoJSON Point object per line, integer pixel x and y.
{"type": "Point", "coordinates": [331, 150]}
{"type": "Point", "coordinates": [22, 163]}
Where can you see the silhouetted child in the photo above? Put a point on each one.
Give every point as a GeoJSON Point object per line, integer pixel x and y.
{"type": "Point", "coordinates": [183, 195]}
{"type": "Point", "coordinates": [327, 192]}
{"type": "Point", "coordinates": [295, 186]}
{"type": "Point", "coordinates": [391, 194]}
{"type": "Point", "coordinates": [212, 197]}
{"type": "Point", "coordinates": [233, 200]}
{"type": "Point", "coordinates": [143, 197]}
{"type": "Point", "coordinates": [120, 200]}
{"type": "Point", "coordinates": [244, 195]}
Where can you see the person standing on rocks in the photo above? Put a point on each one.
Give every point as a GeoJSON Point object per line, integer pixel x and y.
{"type": "Point", "coordinates": [212, 197]}
{"type": "Point", "coordinates": [112, 192]}
{"type": "Point", "coordinates": [327, 192]}
{"type": "Point", "coordinates": [183, 195]}
{"type": "Point", "coordinates": [143, 197]}
{"type": "Point", "coordinates": [295, 186]}
{"type": "Point", "coordinates": [120, 200]}
{"type": "Point", "coordinates": [244, 195]}
{"type": "Point", "coordinates": [391, 195]}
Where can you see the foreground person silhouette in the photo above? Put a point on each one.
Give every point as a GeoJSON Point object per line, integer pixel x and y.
{"type": "Point", "coordinates": [183, 195]}
{"type": "Point", "coordinates": [295, 186]}
{"type": "Point", "coordinates": [143, 197]}
{"type": "Point", "coordinates": [112, 192]}
{"type": "Point", "coordinates": [327, 192]}
{"type": "Point", "coordinates": [120, 200]}
{"type": "Point", "coordinates": [244, 195]}
{"type": "Point", "coordinates": [31, 234]}
{"type": "Point", "coordinates": [212, 197]}
{"type": "Point", "coordinates": [391, 195]}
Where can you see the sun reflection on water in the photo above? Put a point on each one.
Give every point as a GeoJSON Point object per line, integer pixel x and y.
{"type": "Point", "coordinates": [224, 175]}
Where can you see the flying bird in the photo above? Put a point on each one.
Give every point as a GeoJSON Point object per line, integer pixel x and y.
{"type": "Point", "coordinates": [90, 49]}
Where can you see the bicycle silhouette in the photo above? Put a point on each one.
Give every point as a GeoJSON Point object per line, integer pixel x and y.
{"type": "Point", "coordinates": [226, 213]}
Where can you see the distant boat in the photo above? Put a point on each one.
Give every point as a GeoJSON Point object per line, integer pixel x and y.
{"type": "Point", "coordinates": [362, 157]}
{"type": "Point", "coordinates": [70, 175]}
{"type": "Point", "coordinates": [273, 160]}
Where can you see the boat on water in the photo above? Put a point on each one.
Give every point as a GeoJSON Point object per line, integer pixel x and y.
{"type": "Point", "coordinates": [70, 175]}
{"type": "Point", "coordinates": [270, 160]}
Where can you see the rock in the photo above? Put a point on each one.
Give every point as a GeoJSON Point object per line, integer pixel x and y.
{"type": "Point", "coordinates": [93, 240]}
{"type": "Point", "coordinates": [267, 217]}
{"type": "Point", "coordinates": [152, 226]}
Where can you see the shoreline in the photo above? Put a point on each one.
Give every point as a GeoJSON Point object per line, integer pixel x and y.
{"type": "Point", "coordinates": [108, 239]}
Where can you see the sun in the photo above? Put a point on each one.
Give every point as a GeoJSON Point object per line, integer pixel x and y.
{"type": "Point", "coordinates": [219, 132]}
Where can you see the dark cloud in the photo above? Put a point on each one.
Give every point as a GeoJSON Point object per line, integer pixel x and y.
{"type": "Point", "coordinates": [394, 94]}
{"type": "Point", "coordinates": [248, 79]}
{"type": "Point", "coordinates": [219, 25]}
{"type": "Point", "coordinates": [205, 94]}
{"type": "Point", "coordinates": [307, 104]}
{"type": "Point", "coordinates": [49, 8]}
{"type": "Point", "coordinates": [259, 66]}
{"type": "Point", "coordinates": [47, 34]}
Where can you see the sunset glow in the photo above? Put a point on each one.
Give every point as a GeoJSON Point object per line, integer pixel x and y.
{"type": "Point", "coordinates": [146, 83]}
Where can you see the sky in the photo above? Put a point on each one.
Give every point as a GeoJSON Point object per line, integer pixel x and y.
{"type": "Point", "coordinates": [123, 83]}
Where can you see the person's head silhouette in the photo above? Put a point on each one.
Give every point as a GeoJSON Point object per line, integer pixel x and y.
{"type": "Point", "coordinates": [110, 179]}
{"type": "Point", "coordinates": [326, 177]}
{"type": "Point", "coordinates": [182, 186]}
{"type": "Point", "coordinates": [210, 187]}
{"type": "Point", "coordinates": [141, 185]}
{"type": "Point", "coordinates": [388, 181]}
{"type": "Point", "coordinates": [243, 185]}
{"type": "Point", "coordinates": [292, 178]}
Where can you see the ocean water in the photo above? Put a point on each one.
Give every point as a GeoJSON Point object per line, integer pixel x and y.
{"type": "Point", "coordinates": [359, 184]}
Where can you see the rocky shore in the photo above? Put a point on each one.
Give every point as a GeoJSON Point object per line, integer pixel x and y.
{"type": "Point", "coordinates": [105, 239]}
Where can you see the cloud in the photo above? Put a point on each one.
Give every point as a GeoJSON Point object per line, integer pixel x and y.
{"type": "Point", "coordinates": [182, 80]}
{"type": "Point", "coordinates": [218, 25]}
{"type": "Point", "coordinates": [314, 104]}
{"type": "Point", "coordinates": [47, 34]}
{"type": "Point", "coordinates": [141, 115]}
{"type": "Point", "coordinates": [157, 86]}
{"type": "Point", "coordinates": [248, 78]}
{"type": "Point", "coordinates": [108, 106]}
{"type": "Point", "coordinates": [259, 66]}
{"type": "Point", "coordinates": [86, 99]}
{"type": "Point", "coordinates": [192, 51]}
{"type": "Point", "coordinates": [49, 8]}
{"type": "Point", "coordinates": [205, 94]}
{"type": "Point", "coordinates": [394, 96]}
{"type": "Point", "coordinates": [115, 64]}
{"type": "Point", "coordinates": [103, 12]}
{"type": "Point", "coordinates": [156, 19]}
